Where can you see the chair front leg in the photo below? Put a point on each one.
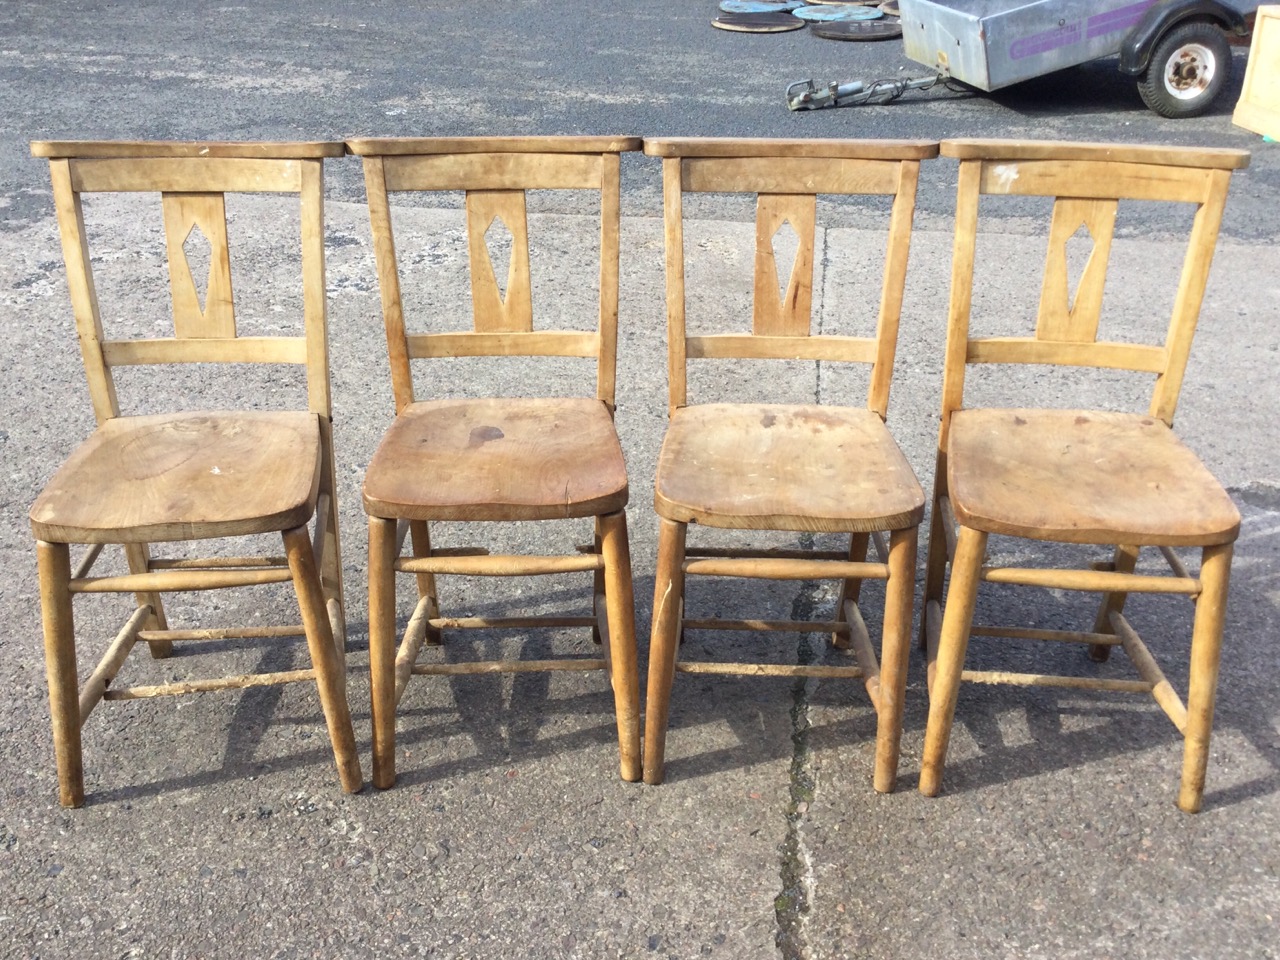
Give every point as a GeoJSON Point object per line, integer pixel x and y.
{"type": "Point", "coordinates": [620, 607]}
{"type": "Point", "coordinates": [1206, 650]}
{"type": "Point", "coordinates": [957, 618]}
{"type": "Point", "coordinates": [382, 648]}
{"type": "Point", "coordinates": [895, 649]}
{"type": "Point", "coordinates": [331, 678]}
{"type": "Point", "coordinates": [668, 592]}
{"type": "Point", "coordinates": [54, 566]}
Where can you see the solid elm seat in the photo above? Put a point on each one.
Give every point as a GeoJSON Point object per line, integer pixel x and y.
{"type": "Point", "coordinates": [513, 459]}
{"type": "Point", "coordinates": [184, 476]}
{"type": "Point", "coordinates": [785, 467]}
{"type": "Point", "coordinates": [1083, 476]}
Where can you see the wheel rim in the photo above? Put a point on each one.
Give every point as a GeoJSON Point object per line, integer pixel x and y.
{"type": "Point", "coordinates": [1188, 73]}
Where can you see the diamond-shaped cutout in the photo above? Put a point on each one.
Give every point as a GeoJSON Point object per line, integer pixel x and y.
{"type": "Point", "coordinates": [198, 251]}
{"type": "Point", "coordinates": [1077, 250]}
{"type": "Point", "coordinates": [498, 241]}
{"type": "Point", "coordinates": [786, 247]}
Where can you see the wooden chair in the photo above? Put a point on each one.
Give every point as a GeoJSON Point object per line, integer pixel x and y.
{"type": "Point", "coordinates": [192, 475]}
{"type": "Point", "coordinates": [1078, 476]}
{"type": "Point", "coordinates": [496, 459]}
{"type": "Point", "coordinates": [809, 468]}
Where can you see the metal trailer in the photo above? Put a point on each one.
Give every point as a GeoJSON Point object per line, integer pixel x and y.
{"type": "Point", "coordinates": [1177, 49]}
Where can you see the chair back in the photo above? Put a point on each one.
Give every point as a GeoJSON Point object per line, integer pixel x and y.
{"type": "Point", "coordinates": [1086, 183]}
{"type": "Point", "coordinates": [193, 180]}
{"type": "Point", "coordinates": [495, 174]}
{"type": "Point", "coordinates": [787, 176]}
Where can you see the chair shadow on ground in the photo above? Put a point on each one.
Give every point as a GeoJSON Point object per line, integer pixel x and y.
{"type": "Point", "coordinates": [753, 717]}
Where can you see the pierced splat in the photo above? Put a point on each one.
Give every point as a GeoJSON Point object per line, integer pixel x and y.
{"type": "Point", "coordinates": [1080, 228]}
{"type": "Point", "coordinates": [505, 308]}
{"type": "Point", "coordinates": [195, 227]}
{"type": "Point", "coordinates": [783, 307]}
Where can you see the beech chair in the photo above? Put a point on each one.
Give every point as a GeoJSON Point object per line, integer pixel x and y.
{"type": "Point", "coordinates": [781, 467]}
{"type": "Point", "coordinates": [192, 476]}
{"type": "Point", "coordinates": [1120, 480]}
{"type": "Point", "coordinates": [496, 459]}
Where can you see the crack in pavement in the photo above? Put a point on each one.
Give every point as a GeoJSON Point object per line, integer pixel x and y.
{"type": "Point", "coordinates": [793, 903]}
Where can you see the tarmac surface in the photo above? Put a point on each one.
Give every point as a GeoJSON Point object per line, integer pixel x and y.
{"type": "Point", "coordinates": [215, 826]}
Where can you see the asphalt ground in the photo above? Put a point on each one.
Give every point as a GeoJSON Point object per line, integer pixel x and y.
{"type": "Point", "coordinates": [215, 826]}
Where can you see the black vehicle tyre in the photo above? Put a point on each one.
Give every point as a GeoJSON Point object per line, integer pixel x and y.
{"type": "Point", "coordinates": [1188, 68]}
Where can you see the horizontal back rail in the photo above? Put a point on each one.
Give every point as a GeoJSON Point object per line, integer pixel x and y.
{"type": "Point", "coordinates": [186, 175]}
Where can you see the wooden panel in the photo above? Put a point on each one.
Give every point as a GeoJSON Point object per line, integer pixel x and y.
{"type": "Point", "coordinates": [973, 149]}
{"type": "Point", "coordinates": [783, 467]}
{"type": "Point", "coordinates": [104, 149]}
{"type": "Point", "coordinates": [1094, 179]}
{"type": "Point", "coordinates": [789, 175]}
{"type": "Point", "coordinates": [1259, 106]}
{"type": "Point", "coordinates": [778, 312]}
{"type": "Point", "coordinates": [1066, 315]}
{"type": "Point", "coordinates": [204, 214]}
{"type": "Point", "coordinates": [124, 353]}
{"type": "Point", "coordinates": [498, 310]}
{"type": "Point", "coordinates": [1109, 356]}
{"type": "Point", "coordinates": [402, 146]}
{"type": "Point", "coordinates": [747, 346]}
{"type": "Point", "coordinates": [551, 343]}
{"type": "Point", "coordinates": [493, 171]}
{"type": "Point", "coordinates": [826, 149]}
{"type": "Point", "coordinates": [187, 175]}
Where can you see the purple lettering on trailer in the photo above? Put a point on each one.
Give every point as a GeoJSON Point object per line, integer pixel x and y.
{"type": "Point", "coordinates": [1062, 36]}
{"type": "Point", "coordinates": [1119, 19]}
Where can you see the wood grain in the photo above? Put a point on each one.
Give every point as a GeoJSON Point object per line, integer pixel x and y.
{"type": "Point", "coordinates": [496, 459]}
{"type": "Point", "coordinates": [780, 467]}
{"type": "Point", "coordinates": [1080, 476]}
{"type": "Point", "coordinates": [184, 476]}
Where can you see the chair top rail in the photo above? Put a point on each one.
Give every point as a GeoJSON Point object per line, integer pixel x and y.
{"type": "Point", "coordinates": [982, 149]}
{"type": "Point", "coordinates": [130, 149]}
{"type": "Point", "coordinates": [827, 149]}
{"type": "Point", "coordinates": [404, 146]}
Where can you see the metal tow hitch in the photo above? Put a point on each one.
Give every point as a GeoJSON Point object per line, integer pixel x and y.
{"type": "Point", "coordinates": [809, 95]}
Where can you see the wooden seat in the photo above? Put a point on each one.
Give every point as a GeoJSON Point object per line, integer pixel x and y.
{"type": "Point", "coordinates": [784, 467]}
{"type": "Point", "coordinates": [534, 459]}
{"type": "Point", "coordinates": [184, 476]}
{"type": "Point", "coordinates": [802, 467]}
{"type": "Point", "coordinates": [1078, 476]}
{"type": "Point", "coordinates": [496, 459]}
{"type": "Point", "coordinates": [1083, 476]}
{"type": "Point", "coordinates": [192, 476]}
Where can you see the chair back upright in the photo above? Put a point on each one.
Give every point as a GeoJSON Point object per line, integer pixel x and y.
{"type": "Point", "coordinates": [787, 176]}
{"type": "Point", "coordinates": [495, 174]}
